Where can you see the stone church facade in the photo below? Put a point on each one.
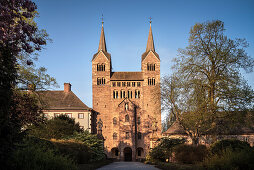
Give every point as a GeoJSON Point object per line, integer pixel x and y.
{"type": "Point", "coordinates": [128, 103]}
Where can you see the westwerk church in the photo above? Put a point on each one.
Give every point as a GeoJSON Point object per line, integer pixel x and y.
{"type": "Point", "coordinates": [126, 111]}
{"type": "Point", "coordinates": [128, 104]}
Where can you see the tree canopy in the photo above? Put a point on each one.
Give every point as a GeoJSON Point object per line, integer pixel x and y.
{"type": "Point", "coordinates": [206, 88]}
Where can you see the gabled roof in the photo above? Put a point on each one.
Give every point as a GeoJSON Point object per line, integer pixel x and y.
{"type": "Point", "coordinates": [105, 53]}
{"type": "Point", "coordinates": [175, 129]}
{"type": "Point", "coordinates": [60, 100]}
{"type": "Point", "coordinates": [127, 76]}
{"type": "Point", "coordinates": [146, 53]}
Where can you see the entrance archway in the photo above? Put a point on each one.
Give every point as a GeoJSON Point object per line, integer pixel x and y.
{"type": "Point", "coordinates": [127, 154]}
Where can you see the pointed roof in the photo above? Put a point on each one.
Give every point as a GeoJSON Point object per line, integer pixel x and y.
{"type": "Point", "coordinates": [175, 129]}
{"type": "Point", "coordinates": [150, 45]}
{"type": "Point", "coordinates": [102, 44]}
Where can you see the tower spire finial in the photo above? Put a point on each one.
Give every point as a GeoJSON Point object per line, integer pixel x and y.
{"type": "Point", "coordinates": [102, 22]}
{"type": "Point", "coordinates": [102, 44]}
{"type": "Point", "coordinates": [150, 43]}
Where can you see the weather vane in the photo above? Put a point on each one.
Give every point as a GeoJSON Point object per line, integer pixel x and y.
{"type": "Point", "coordinates": [150, 20]}
{"type": "Point", "coordinates": [102, 19]}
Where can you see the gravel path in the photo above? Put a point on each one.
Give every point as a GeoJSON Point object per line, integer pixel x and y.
{"type": "Point", "coordinates": [128, 166]}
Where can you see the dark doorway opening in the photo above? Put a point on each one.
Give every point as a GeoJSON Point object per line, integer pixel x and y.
{"type": "Point", "coordinates": [127, 154]}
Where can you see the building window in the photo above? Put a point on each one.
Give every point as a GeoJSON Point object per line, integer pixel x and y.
{"type": "Point", "coordinates": [81, 115]}
{"type": "Point", "coordinates": [114, 135]}
{"type": "Point", "coordinates": [127, 135]}
{"type": "Point", "coordinates": [100, 67]}
{"type": "Point", "coordinates": [118, 84]}
{"type": "Point", "coordinates": [122, 94]}
{"type": "Point", "coordinates": [138, 121]}
{"type": "Point", "coordinates": [56, 114]}
{"type": "Point", "coordinates": [115, 94]}
{"type": "Point", "coordinates": [138, 84]}
{"type": "Point", "coordinates": [123, 84]}
{"type": "Point", "coordinates": [151, 81]}
{"type": "Point", "coordinates": [113, 84]}
{"type": "Point", "coordinates": [68, 114]}
{"type": "Point", "coordinates": [114, 120]}
{"type": "Point", "coordinates": [127, 119]}
{"type": "Point", "coordinates": [101, 81]}
{"type": "Point", "coordinates": [128, 84]}
{"type": "Point", "coordinates": [129, 94]}
{"type": "Point", "coordinates": [126, 106]}
{"type": "Point", "coordinates": [151, 67]}
{"type": "Point", "coordinates": [133, 84]}
{"type": "Point", "coordinates": [139, 135]}
{"type": "Point", "coordinates": [137, 94]}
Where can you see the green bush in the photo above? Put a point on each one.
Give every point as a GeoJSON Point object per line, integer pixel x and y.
{"type": "Point", "coordinates": [163, 150]}
{"type": "Point", "coordinates": [55, 128]}
{"type": "Point", "coordinates": [78, 151]}
{"type": "Point", "coordinates": [229, 159]}
{"type": "Point", "coordinates": [30, 156]}
{"type": "Point", "coordinates": [95, 145]}
{"type": "Point", "coordinates": [190, 154]}
{"type": "Point", "coordinates": [233, 144]}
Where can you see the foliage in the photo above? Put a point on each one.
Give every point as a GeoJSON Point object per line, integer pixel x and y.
{"type": "Point", "coordinates": [74, 149]}
{"type": "Point", "coordinates": [57, 128]}
{"type": "Point", "coordinates": [233, 144]}
{"type": "Point", "coordinates": [93, 142]}
{"type": "Point", "coordinates": [18, 36]}
{"type": "Point", "coordinates": [190, 154]}
{"type": "Point", "coordinates": [206, 91]}
{"type": "Point", "coordinates": [229, 159]}
{"type": "Point", "coordinates": [42, 156]}
{"type": "Point", "coordinates": [163, 150]}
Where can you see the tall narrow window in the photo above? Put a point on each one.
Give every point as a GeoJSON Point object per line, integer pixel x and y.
{"type": "Point", "coordinates": [126, 106]}
{"type": "Point", "coordinates": [101, 81]}
{"type": "Point", "coordinates": [151, 67]}
{"type": "Point", "coordinates": [115, 94]}
{"type": "Point", "coordinates": [127, 135]}
{"type": "Point", "coordinates": [151, 81]}
{"type": "Point", "coordinates": [114, 120]}
{"type": "Point", "coordinates": [123, 84]}
{"type": "Point", "coordinates": [129, 94]}
{"type": "Point", "coordinates": [138, 121]}
{"type": "Point", "coordinates": [133, 84]}
{"type": "Point", "coordinates": [114, 135]}
{"type": "Point", "coordinates": [128, 84]}
{"type": "Point", "coordinates": [100, 67]}
{"type": "Point", "coordinates": [127, 118]}
{"type": "Point", "coordinates": [138, 84]}
{"type": "Point", "coordinates": [113, 84]}
{"type": "Point", "coordinates": [137, 94]}
{"type": "Point", "coordinates": [122, 94]}
{"type": "Point", "coordinates": [118, 84]}
{"type": "Point", "coordinates": [98, 81]}
{"type": "Point", "coordinates": [139, 135]}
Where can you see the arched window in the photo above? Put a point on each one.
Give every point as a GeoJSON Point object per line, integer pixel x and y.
{"type": "Point", "coordinates": [114, 135]}
{"type": "Point", "coordinates": [101, 81]}
{"type": "Point", "coordinates": [138, 121]}
{"type": "Point", "coordinates": [151, 67]}
{"type": "Point", "coordinates": [127, 119]}
{"type": "Point", "coordinates": [100, 67]}
{"type": "Point", "coordinates": [126, 106]}
{"type": "Point", "coordinates": [137, 94]}
{"type": "Point", "coordinates": [139, 135]}
{"type": "Point", "coordinates": [122, 94]}
{"type": "Point", "coordinates": [129, 94]}
{"type": "Point", "coordinates": [114, 120]}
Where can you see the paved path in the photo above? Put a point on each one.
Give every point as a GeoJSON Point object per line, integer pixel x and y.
{"type": "Point", "coordinates": [128, 166]}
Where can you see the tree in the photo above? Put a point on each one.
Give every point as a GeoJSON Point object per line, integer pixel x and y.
{"type": "Point", "coordinates": [206, 91]}
{"type": "Point", "coordinates": [19, 36]}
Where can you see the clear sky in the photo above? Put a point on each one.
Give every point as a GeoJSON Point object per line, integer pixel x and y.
{"type": "Point", "coordinates": [75, 25]}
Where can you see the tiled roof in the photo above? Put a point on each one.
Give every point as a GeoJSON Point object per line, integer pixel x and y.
{"type": "Point", "coordinates": [127, 76]}
{"type": "Point", "coordinates": [105, 53]}
{"type": "Point", "coordinates": [145, 54]}
{"type": "Point", "coordinates": [175, 129]}
{"type": "Point", "coordinates": [57, 100]}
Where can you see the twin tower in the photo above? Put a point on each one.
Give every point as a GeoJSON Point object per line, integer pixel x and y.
{"type": "Point", "coordinates": [128, 103]}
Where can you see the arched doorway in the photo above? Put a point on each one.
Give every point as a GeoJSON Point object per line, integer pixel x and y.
{"type": "Point", "coordinates": [127, 154]}
{"type": "Point", "coordinates": [139, 153]}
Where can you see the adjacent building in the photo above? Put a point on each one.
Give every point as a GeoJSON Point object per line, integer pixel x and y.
{"type": "Point", "coordinates": [128, 103]}
{"type": "Point", "coordinates": [66, 102]}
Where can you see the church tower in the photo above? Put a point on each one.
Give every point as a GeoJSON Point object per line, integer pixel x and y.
{"type": "Point", "coordinates": [127, 103]}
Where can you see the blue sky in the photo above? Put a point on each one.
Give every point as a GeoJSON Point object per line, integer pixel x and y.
{"type": "Point", "coordinates": [74, 26]}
